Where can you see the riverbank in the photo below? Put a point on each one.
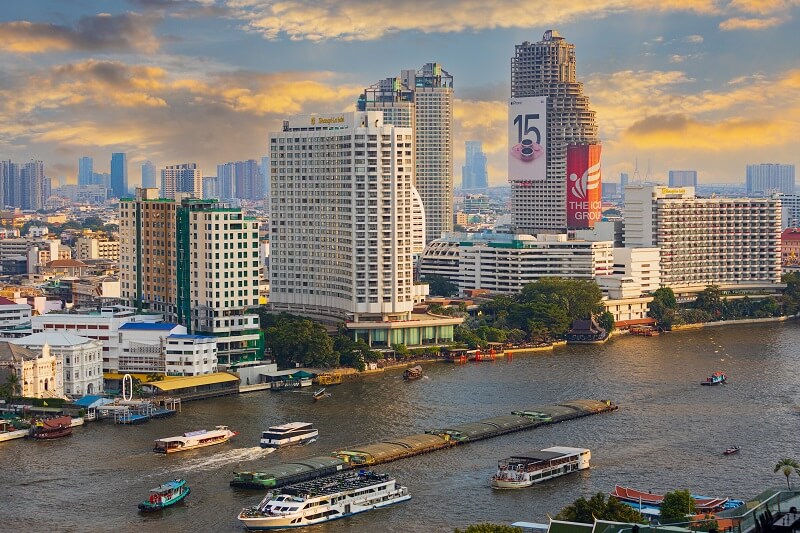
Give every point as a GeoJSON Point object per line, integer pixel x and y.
{"type": "Point", "coordinates": [733, 322]}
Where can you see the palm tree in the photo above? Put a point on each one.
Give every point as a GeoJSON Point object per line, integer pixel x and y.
{"type": "Point", "coordinates": [786, 467]}
{"type": "Point", "coordinates": [12, 386]}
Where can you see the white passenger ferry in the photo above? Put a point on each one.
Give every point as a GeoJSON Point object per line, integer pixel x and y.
{"type": "Point", "coordinates": [519, 471]}
{"type": "Point", "coordinates": [288, 435]}
{"type": "Point", "coordinates": [322, 500]}
{"type": "Point", "coordinates": [194, 439]}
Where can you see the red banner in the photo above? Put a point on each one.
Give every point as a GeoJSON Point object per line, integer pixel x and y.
{"type": "Point", "coordinates": [583, 186]}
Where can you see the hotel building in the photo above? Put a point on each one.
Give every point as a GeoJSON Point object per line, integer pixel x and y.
{"type": "Point", "coordinates": [184, 178]}
{"type": "Point", "coordinates": [731, 242]}
{"type": "Point", "coordinates": [195, 261]}
{"type": "Point", "coordinates": [548, 69]}
{"type": "Point", "coordinates": [765, 179]}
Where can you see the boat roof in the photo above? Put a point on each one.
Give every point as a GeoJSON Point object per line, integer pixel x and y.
{"type": "Point", "coordinates": [335, 483]}
{"type": "Point", "coordinates": [547, 454]}
{"type": "Point", "coordinates": [169, 485]}
{"type": "Point", "coordinates": [290, 425]}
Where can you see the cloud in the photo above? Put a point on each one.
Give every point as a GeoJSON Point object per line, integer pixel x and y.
{"type": "Point", "coordinates": [694, 39]}
{"type": "Point", "coordinates": [754, 24]}
{"type": "Point", "coordinates": [183, 8]}
{"type": "Point", "coordinates": [128, 32]}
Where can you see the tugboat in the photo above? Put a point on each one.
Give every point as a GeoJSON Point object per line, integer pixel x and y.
{"type": "Point", "coordinates": [730, 450]}
{"type": "Point", "coordinates": [165, 495]}
{"type": "Point", "coordinates": [717, 378]}
{"type": "Point", "coordinates": [410, 374]}
{"type": "Point", "coordinates": [51, 428]}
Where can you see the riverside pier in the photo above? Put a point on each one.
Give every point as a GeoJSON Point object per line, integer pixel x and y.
{"type": "Point", "coordinates": [432, 440]}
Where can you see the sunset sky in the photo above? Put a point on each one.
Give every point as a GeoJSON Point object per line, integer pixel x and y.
{"type": "Point", "coordinates": [709, 85]}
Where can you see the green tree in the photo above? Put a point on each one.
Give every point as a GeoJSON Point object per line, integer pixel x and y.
{"type": "Point", "coordinates": [677, 507]}
{"type": "Point", "coordinates": [400, 351]}
{"type": "Point", "coordinates": [786, 466]}
{"type": "Point", "coordinates": [294, 340]}
{"type": "Point", "coordinates": [515, 336]}
{"type": "Point", "coordinates": [601, 507]}
{"type": "Point", "coordinates": [710, 301]}
{"type": "Point", "coordinates": [489, 528]}
{"type": "Point", "coordinates": [666, 297]}
{"type": "Point", "coordinates": [791, 294]}
{"type": "Point", "coordinates": [581, 299]}
{"type": "Point", "coordinates": [468, 337]}
{"type": "Point", "coordinates": [606, 321]}
{"type": "Point", "coordinates": [12, 387]}
{"type": "Point", "coordinates": [440, 285]}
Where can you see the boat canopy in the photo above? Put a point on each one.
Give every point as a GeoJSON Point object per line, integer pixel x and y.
{"type": "Point", "coordinates": [169, 485]}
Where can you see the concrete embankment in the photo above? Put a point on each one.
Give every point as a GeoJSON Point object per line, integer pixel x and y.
{"type": "Point", "coordinates": [733, 322]}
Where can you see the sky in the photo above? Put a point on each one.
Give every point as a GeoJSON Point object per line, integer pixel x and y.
{"type": "Point", "coordinates": [707, 85]}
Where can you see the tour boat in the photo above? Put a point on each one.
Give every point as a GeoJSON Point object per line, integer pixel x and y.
{"type": "Point", "coordinates": [717, 378]}
{"type": "Point", "coordinates": [322, 500]}
{"type": "Point", "coordinates": [320, 394]}
{"type": "Point", "coordinates": [51, 428]}
{"type": "Point", "coordinates": [731, 450]}
{"type": "Point", "coordinates": [194, 439]}
{"type": "Point", "coordinates": [288, 435]}
{"type": "Point", "coordinates": [415, 372]}
{"type": "Point", "coordinates": [519, 471]}
{"type": "Point", "coordinates": [703, 504]}
{"type": "Point", "coordinates": [165, 495]}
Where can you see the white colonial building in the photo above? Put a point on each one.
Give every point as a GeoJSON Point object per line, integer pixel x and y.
{"type": "Point", "coordinates": [40, 373]}
{"type": "Point", "coordinates": [82, 359]}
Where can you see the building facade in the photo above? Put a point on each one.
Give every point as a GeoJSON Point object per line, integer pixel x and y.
{"type": "Point", "coordinates": [766, 179]}
{"type": "Point", "coordinates": [96, 248]}
{"type": "Point", "coordinates": [119, 174]}
{"type": "Point", "coordinates": [240, 179]}
{"type": "Point", "coordinates": [148, 175]}
{"type": "Point", "coordinates": [423, 101]}
{"type": "Point", "coordinates": [184, 178]}
{"type": "Point", "coordinates": [474, 175]}
{"type": "Point", "coordinates": [683, 178]}
{"type": "Point", "coordinates": [40, 373]}
{"type": "Point", "coordinates": [548, 69]}
{"type": "Point", "coordinates": [730, 242]}
{"type": "Point", "coordinates": [85, 171]}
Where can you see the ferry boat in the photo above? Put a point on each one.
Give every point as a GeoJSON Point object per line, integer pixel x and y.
{"type": "Point", "coordinates": [519, 471]}
{"type": "Point", "coordinates": [165, 495]}
{"type": "Point", "coordinates": [288, 435]}
{"type": "Point", "coordinates": [51, 428]}
{"type": "Point", "coordinates": [322, 500]}
{"type": "Point", "coordinates": [410, 374]}
{"type": "Point", "coordinates": [703, 504]}
{"type": "Point", "coordinates": [717, 378]}
{"type": "Point", "coordinates": [194, 439]}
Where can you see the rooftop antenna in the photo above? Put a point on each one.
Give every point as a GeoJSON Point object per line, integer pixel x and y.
{"type": "Point", "coordinates": [636, 176]}
{"type": "Point", "coordinates": [649, 176]}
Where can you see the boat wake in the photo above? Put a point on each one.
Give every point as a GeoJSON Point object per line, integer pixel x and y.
{"type": "Point", "coordinates": [239, 455]}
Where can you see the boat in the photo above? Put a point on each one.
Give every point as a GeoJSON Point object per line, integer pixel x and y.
{"type": "Point", "coordinates": [320, 394]}
{"type": "Point", "coordinates": [289, 434]}
{"type": "Point", "coordinates": [51, 428]}
{"type": "Point", "coordinates": [717, 378]}
{"type": "Point", "coordinates": [703, 504]}
{"type": "Point", "coordinates": [322, 500]}
{"type": "Point", "coordinates": [519, 471]}
{"type": "Point", "coordinates": [410, 374]}
{"type": "Point", "coordinates": [165, 495]}
{"type": "Point", "coordinates": [731, 450]}
{"type": "Point", "coordinates": [194, 439]}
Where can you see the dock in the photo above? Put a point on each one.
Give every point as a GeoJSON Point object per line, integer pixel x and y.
{"type": "Point", "coordinates": [432, 440]}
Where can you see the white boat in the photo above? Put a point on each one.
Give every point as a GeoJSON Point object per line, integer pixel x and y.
{"type": "Point", "coordinates": [194, 439]}
{"type": "Point", "coordinates": [519, 471]}
{"type": "Point", "coordinates": [288, 435]}
{"type": "Point", "coordinates": [322, 500]}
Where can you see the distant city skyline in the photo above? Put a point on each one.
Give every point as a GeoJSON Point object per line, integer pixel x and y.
{"type": "Point", "coordinates": [684, 85]}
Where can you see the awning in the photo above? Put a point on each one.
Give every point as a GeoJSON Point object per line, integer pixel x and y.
{"type": "Point", "coordinates": [192, 381]}
{"type": "Point", "coordinates": [636, 322]}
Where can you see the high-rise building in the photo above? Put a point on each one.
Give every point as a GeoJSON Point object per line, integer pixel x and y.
{"type": "Point", "coordinates": [119, 174]}
{"type": "Point", "coordinates": [547, 69]}
{"type": "Point", "coordinates": [85, 171]}
{"type": "Point", "coordinates": [240, 179]}
{"type": "Point", "coordinates": [148, 175]}
{"type": "Point", "coordinates": [683, 178]}
{"type": "Point", "coordinates": [265, 176]}
{"type": "Point", "coordinates": [33, 186]}
{"type": "Point", "coordinates": [195, 261]}
{"type": "Point", "coordinates": [766, 179]}
{"type": "Point", "coordinates": [10, 189]}
{"type": "Point", "coordinates": [730, 242]}
{"type": "Point", "coordinates": [423, 100]}
{"type": "Point", "coordinates": [186, 178]}
{"type": "Point", "coordinates": [210, 187]}
{"type": "Point", "coordinates": [474, 175]}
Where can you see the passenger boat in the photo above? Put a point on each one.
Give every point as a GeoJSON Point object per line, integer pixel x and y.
{"type": "Point", "coordinates": [289, 434]}
{"type": "Point", "coordinates": [703, 504]}
{"type": "Point", "coordinates": [717, 378]}
{"type": "Point", "coordinates": [322, 500]}
{"type": "Point", "coordinates": [519, 471]}
{"type": "Point", "coordinates": [165, 495]}
{"type": "Point", "coordinates": [51, 428]}
{"type": "Point", "coordinates": [320, 394]}
{"type": "Point", "coordinates": [731, 450]}
{"type": "Point", "coordinates": [410, 374]}
{"type": "Point", "coordinates": [194, 439]}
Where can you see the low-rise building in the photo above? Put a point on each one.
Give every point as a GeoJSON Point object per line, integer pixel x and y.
{"type": "Point", "coordinates": [164, 348]}
{"type": "Point", "coordinates": [13, 314]}
{"type": "Point", "coordinates": [790, 247]}
{"type": "Point", "coordinates": [96, 248]}
{"type": "Point", "coordinates": [39, 374]}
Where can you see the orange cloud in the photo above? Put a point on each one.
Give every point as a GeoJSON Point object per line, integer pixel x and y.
{"type": "Point", "coordinates": [754, 24]}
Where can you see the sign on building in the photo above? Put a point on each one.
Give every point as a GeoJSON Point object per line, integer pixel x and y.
{"type": "Point", "coordinates": [584, 202]}
{"type": "Point", "coordinates": [527, 139]}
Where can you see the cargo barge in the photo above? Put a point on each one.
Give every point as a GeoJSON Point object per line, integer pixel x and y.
{"type": "Point", "coordinates": [432, 440]}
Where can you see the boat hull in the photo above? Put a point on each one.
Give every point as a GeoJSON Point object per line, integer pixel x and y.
{"type": "Point", "coordinates": [147, 507]}
{"type": "Point", "coordinates": [304, 440]}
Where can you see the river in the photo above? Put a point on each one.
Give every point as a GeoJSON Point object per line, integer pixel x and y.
{"type": "Point", "coordinates": [668, 434]}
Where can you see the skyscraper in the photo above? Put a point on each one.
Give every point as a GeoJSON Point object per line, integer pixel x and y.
{"type": "Point", "coordinates": [766, 179]}
{"type": "Point", "coordinates": [240, 179]}
{"type": "Point", "coordinates": [165, 266]}
{"type": "Point", "coordinates": [547, 69]}
{"type": "Point", "coordinates": [265, 177]}
{"type": "Point", "coordinates": [85, 171]}
{"type": "Point", "coordinates": [683, 178]}
{"type": "Point", "coordinates": [33, 187]}
{"type": "Point", "coordinates": [423, 100]}
{"type": "Point", "coordinates": [473, 174]}
{"type": "Point", "coordinates": [185, 177]}
{"type": "Point", "coordinates": [119, 174]}
{"type": "Point", "coordinates": [9, 184]}
{"type": "Point", "coordinates": [148, 175]}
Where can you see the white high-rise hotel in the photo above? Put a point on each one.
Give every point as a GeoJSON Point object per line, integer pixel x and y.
{"type": "Point", "coordinates": [547, 68]}
{"type": "Point", "coordinates": [343, 204]}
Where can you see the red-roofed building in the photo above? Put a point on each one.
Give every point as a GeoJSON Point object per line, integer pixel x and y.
{"type": "Point", "coordinates": [790, 247]}
{"type": "Point", "coordinates": [13, 314]}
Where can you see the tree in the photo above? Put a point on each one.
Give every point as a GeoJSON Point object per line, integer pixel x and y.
{"type": "Point", "coordinates": [710, 301]}
{"type": "Point", "coordinates": [11, 387]}
{"type": "Point", "coordinates": [293, 339]}
{"type": "Point", "coordinates": [400, 351]}
{"type": "Point", "coordinates": [489, 528]}
{"type": "Point", "coordinates": [791, 294]}
{"type": "Point", "coordinates": [602, 508]}
{"type": "Point", "coordinates": [666, 297]}
{"type": "Point", "coordinates": [786, 466]}
{"type": "Point", "coordinates": [677, 505]}
{"type": "Point", "coordinates": [440, 285]}
{"type": "Point", "coordinates": [606, 321]}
